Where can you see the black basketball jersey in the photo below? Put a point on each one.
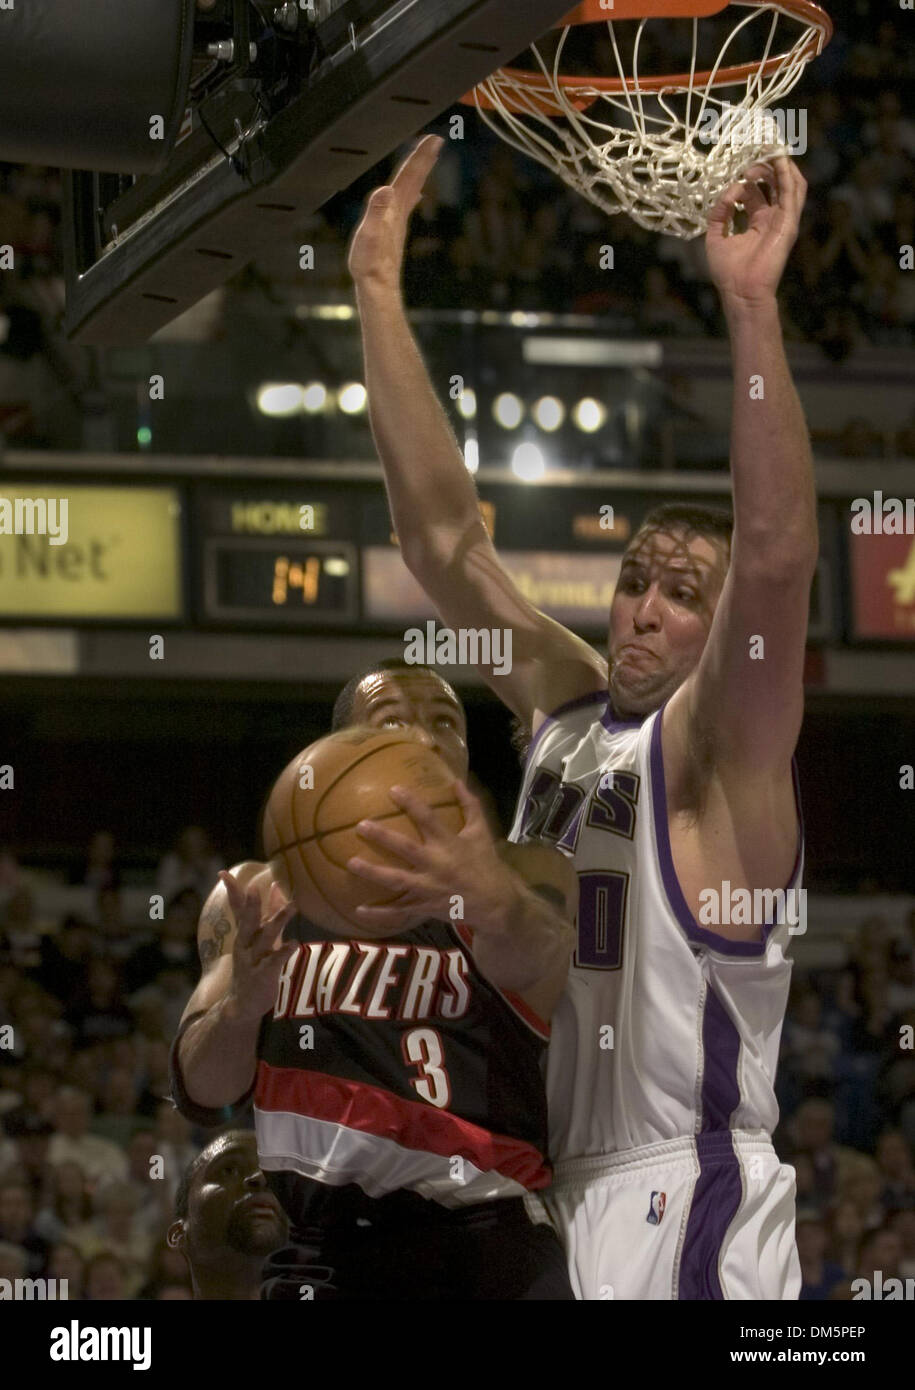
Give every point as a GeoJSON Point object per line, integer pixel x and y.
{"type": "Point", "coordinates": [395, 1065]}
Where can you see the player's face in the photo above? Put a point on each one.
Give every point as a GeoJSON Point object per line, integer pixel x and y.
{"type": "Point", "coordinates": [662, 610]}
{"type": "Point", "coordinates": [420, 702]}
{"type": "Point", "coordinates": [231, 1205]}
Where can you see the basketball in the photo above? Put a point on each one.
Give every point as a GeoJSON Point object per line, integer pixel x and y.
{"type": "Point", "coordinates": [318, 800]}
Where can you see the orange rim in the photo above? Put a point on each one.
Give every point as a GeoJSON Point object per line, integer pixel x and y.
{"type": "Point", "coordinates": [580, 91]}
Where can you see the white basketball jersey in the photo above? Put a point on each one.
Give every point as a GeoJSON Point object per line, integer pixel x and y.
{"type": "Point", "coordinates": [666, 1029]}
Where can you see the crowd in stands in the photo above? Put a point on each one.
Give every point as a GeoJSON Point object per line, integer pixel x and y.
{"type": "Point", "coordinates": [92, 1150]}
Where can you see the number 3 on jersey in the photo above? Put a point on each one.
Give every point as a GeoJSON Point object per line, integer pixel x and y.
{"type": "Point", "coordinates": [601, 913]}
{"type": "Point", "coordinates": [422, 1048]}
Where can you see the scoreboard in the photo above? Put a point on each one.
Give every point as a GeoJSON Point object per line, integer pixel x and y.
{"type": "Point", "coordinates": [321, 556]}
{"type": "Point", "coordinates": [325, 556]}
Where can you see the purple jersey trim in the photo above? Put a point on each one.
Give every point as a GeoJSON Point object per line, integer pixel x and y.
{"type": "Point", "coordinates": [551, 719]}
{"type": "Point", "coordinates": [694, 932]}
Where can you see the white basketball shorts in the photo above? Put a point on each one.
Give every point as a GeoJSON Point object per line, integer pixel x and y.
{"type": "Point", "coordinates": [705, 1218]}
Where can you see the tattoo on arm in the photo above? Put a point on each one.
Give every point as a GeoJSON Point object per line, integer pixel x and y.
{"type": "Point", "coordinates": [214, 945]}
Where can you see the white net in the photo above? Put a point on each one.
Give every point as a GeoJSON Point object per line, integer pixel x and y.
{"type": "Point", "coordinates": [663, 156]}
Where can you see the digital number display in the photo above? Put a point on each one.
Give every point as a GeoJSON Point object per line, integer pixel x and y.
{"type": "Point", "coordinates": [302, 583]}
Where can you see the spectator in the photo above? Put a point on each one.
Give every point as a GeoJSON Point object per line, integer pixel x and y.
{"type": "Point", "coordinates": [903, 1223]}
{"type": "Point", "coordinates": [14, 1261]}
{"type": "Point", "coordinates": [98, 1157]}
{"type": "Point", "coordinates": [894, 1159]}
{"type": "Point", "coordinates": [17, 1223]}
{"type": "Point", "coordinates": [106, 1278]}
{"type": "Point", "coordinates": [31, 1134]}
{"type": "Point", "coordinates": [175, 947]}
{"type": "Point", "coordinates": [173, 1142]}
{"type": "Point", "coordinates": [900, 990]}
{"type": "Point", "coordinates": [805, 1182]}
{"type": "Point", "coordinates": [65, 956]}
{"type": "Point", "coordinates": [861, 1184]}
{"type": "Point", "coordinates": [813, 1128]}
{"type": "Point", "coordinates": [154, 1208]}
{"type": "Point", "coordinates": [114, 938]}
{"type": "Point", "coordinates": [118, 1120]}
{"type": "Point", "coordinates": [881, 1249]}
{"type": "Point", "coordinates": [899, 230]}
{"type": "Point", "coordinates": [819, 1275]}
{"type": "Point", "coordinates": [114, 1229]}
{"type": "Point", "coordinates": [809, 1049]}
{"type": "Point", "coordinates": [100, 870]}
{"type": "Point", "coordinates": [101, 1012]}
{"type": "Point", "coordinates": [20, 933]}
{"type": "Point", "coordinates": [192, 864]}
{"type": "Point", "coordinates": [65, 1262]}
{"type": "Point", "coordinates": [67, 1205]}
{"type": "Point", "coordinates": [846, 1230]}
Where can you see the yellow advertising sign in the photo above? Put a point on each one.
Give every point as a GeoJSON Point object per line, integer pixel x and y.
{"type": "Point", "coordinates": [89, 552]}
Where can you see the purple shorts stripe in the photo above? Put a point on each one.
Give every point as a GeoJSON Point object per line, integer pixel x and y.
{"type": "Point", "coordinates": [719, 1188]}
{"type": "Point", "coordinates": [716, 1201]}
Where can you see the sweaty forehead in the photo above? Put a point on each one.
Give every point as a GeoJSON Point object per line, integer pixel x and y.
{"type": "Point", "coordinates": [241, 1145]}
{"type": "Point", "coordinates": [412, 687]}
{"type": "Point", "coordinates": [678, 548]}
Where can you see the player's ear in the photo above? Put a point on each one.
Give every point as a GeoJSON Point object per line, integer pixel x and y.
{"type": "Point", "coordinates": [176, 1235]}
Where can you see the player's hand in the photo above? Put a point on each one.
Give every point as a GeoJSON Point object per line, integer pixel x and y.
{"type": "Point", "coordinates": [376, 250]}
{"type": "Point", "coordinates": [444, 866]}
{"type": "Point", "coordinates": [747, 267]}
{"type": "Point", "coordinates": [259, 952]}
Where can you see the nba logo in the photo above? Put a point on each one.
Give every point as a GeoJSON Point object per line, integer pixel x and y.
{"type": "Point", "coordinates": [656, 1209]}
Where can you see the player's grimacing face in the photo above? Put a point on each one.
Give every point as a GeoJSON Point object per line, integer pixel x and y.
{"type": "Point", "coordinates": [420, 702]}
{"type": "Point", "coordinates": [662, 610]}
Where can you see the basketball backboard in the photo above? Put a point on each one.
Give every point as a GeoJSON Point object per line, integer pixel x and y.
{"type": "Point", "coordinates": [293, 111]}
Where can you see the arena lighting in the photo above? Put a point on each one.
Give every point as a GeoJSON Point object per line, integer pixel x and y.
{"type": "Point", "coordinates": [352, 397]}
{"type": "Point", "coordinates": [589, 415]}
{"type": "Point", "coordinates": [341, 313]}
{"type": "Point", "coordinates": [508, 410]}
{"type": "Point", "coordinates": [467, 403]}
{"type": "Point", "coordinates": [472, 453]}
{"type": "Point", "coordinates": [549, 413]}
{"type": "Point", "coordinates": [280, 399]}
{"type": "Point", "coordinates": [528, 462]}
{"type": "Point", "coordinates": [314, 398]}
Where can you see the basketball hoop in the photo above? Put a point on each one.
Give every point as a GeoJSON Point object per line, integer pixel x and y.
{"type": "Point", "coordinates": [660, 147]}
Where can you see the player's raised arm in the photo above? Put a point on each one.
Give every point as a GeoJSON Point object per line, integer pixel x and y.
{"type": "Point", "coordinates": [240, 940]}
{"type": "Point", "coordinates": [432, 497]}
{"type": "Point", "coordinates": [743, 705]}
